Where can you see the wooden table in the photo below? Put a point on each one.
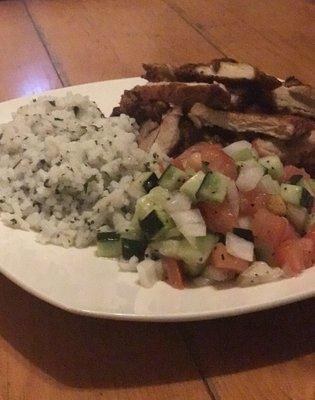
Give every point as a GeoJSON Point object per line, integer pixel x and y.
{"type": "Point", "coordinates": [46, 353]}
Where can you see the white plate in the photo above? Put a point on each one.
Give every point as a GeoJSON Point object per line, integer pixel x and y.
{"type": "Point", "coordinates": [77, 281]}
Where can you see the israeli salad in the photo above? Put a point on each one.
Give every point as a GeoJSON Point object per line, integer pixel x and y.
{"type": "Point", "coordinates": [216, 214]}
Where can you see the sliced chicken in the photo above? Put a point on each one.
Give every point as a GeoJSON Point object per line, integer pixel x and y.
{"type": "Point", "coordinates": [267, 148]}
{"type": "Point", "coordinates": [295, 98]}
{"type": "Point", "coordinates": [166, 135]}
{"type": "Point", "coordinates": [147, 134]}
{"type": "Point", "coordinates": [282, 127]}
{"type": "Point", "coordinates": [159, 72]}
{"type": "Point", "coordinates": [301, 152]}
{"type": "Point", "coordinates": [225, 70]}
{"type": "Point", "coordinates": [174, 93]}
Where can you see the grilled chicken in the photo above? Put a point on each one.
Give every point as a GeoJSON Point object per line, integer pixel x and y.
{"type": "Point", "coordinates": [225, 70]}
{"type": "Point", "coordinates": [279, 126]}
{"type": "Point", "coordinates": [223, 101]}
{"type": "Point", "coordinates": [295, 98]}
{"type": "Point", "coordinates": [166, 135]}
{"type": "Point", "coordinates": [173, 93]}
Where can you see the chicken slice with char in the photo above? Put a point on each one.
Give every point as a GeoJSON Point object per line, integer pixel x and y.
{"type": "Point", "coordinates": [174, 93]}
{"type": "Point", "coordinates": [282, 127]}
{"type": "Point", "coordinates": [295, 98]}
{"type": "Point", "coordinates": [225, 70]}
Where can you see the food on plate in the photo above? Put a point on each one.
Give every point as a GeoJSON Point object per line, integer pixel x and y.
{"type": "Point", "coordinates": [226, 101]}
{"type": "Point", "coordinates": [216, 214]}
{"type": "Point", "coordinates": [65, 169]}
{"type": "Point", "coordinates": [203, 175]}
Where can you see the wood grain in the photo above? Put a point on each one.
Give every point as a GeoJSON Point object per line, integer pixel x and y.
{"type": "Point", "coordinates": [267, 355]}
{"type": "Point", "coordinates": [49, 354]}
{"type": "Point", "coordinates": [99, 40]}
{"type": "Point", "coordinates": [25, 67]}
{"type": "Point", "coordinates": [278, 36]}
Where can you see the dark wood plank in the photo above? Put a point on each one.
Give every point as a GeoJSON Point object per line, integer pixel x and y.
{"type": "Point", "coordinates": [277, 36]}
{"type": "Point", "coordinates": [25, 67]}
{"type": "Point", "coordinates": [98, 40]}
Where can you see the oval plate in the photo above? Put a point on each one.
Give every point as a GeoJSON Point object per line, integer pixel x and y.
{"type": "Point", "coordinates": [77, 281]}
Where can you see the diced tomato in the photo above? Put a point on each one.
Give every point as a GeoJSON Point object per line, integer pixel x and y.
{"type": "Point", "coordinates": [291, 170]}
{"type": "Point", "coordinates": [219, 217]}
{"type": "Point", "coordinates": [220, 258]}
{"type": "Point", "coordinates": [206, 152]}
{"type": "Point", "coordinates": [294, 255]}
{"type": "Point", "coordinates": [174, 272]}
{"type": "Point", "coordinates": [252, 201]}
{"type": "Point", "coordinates": [311, 235]}
{"type": "Point", "coordinates": [271, 229]}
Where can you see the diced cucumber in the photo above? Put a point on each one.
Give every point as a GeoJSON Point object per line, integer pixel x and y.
{"type": "Point", "coordinates": [108, 245]}
{"type": "Point", "coordinates": [157, 222]}
{"type": "Point", "coordinates": [243, 155]}
{"type": "Point", "coordinates": [297, 195]}
{"type": "Point", "coordinates": [190, 187]}
{"type": "Point", "coordinates": [213, 187]}
{"type": "Point", "coordinates": [291, 193]}
{"type": "Point", "coordinates": [172, 233]}
{"type": "Point", "coordinates": [307, 200]}
{"type": "Point", "coordinates": [172, 178]}
{"type": "Point", "coordinates": [131, 247]}
{"type": "Point", "coordinates": [273, 165]}
{"type": "Point", "coordinates": [295, 179]}
{"type": "Point", "coordinates": [269, 185]}
{"type": "Point", "coordinates": [152, 204]}
{"type": "Point", "coordinates": [194, 257]}
{"type": "Point", "coordinates": [159, 196]}
{"type": "Point", "coordinates": [144, 206]}
{"type": "Point", "coordinates": [297, 216]}
{"type": "Point", "coordinates": [150, 182]}
{"type": "Point", "coordinates": [308, 184]}
{"type": "Point", "coordinates": [136, 188]}
{"type": "Point", "coordinates": [240, 151]}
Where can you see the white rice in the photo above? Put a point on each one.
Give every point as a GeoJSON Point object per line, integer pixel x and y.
{"type": "Point", "coordinates": [65, 170]}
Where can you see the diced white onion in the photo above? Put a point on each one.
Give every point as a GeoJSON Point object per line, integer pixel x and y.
{"type": "Point", "coordinates": [297, 216]}
{"type": "Point", "coordinates": [149, 272]}
{"type": "Point", "coordinates": [233, 197]}
{"type": "Point", "coordinates": [259, 272]}
{"type": "Point", "coordinates": [239, 247]}
{"type": "Point", "coordinates": [249, 176]}
{"type": "Point", "coordinates": [269, 185]}
{"type": "Point", "coordinates": [190, 223]}
{"type": "Point", "coordinates": [178, 202]}
{"type": "Point", "coordinates": [236, 147]}
{"type": "Point", "coordinates": [245, 222]}
{"type": "Point", "coordinates": [217, 274]}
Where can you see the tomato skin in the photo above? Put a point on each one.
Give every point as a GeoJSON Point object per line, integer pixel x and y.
{"type": "Point", "coordinates": [271, 229]}
{"type": "Point", "coordinates": [252, 201]}
{"type": "Point", "coordinates": [311, 235]}
{"type": "Point", "coordinates": [291, 170]}
{"type": "Point", "coordinates": [210, 153]}
{"type": "Point", "coordinates": [219, 217]}
{"type": "Point", "coordinates": [294, 255]}
{"type": "Point", "coordinates": [220, 258]}
{"type": "Point", "coordinates": [174, 272]}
